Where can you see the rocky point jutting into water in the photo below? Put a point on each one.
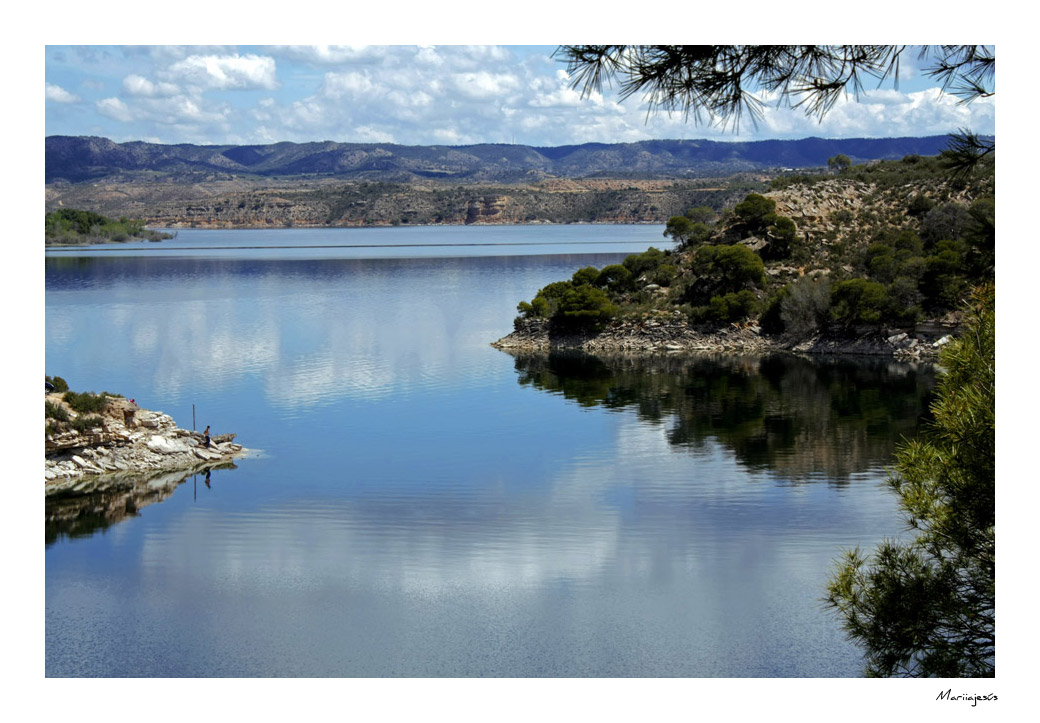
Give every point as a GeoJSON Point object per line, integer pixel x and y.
{"type": "Point", "coordinates": [675, 334]}
{"type": "Point", "coordinates": [119, 444]}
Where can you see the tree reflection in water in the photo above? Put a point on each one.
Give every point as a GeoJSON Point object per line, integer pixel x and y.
{"type": "Point", "coordinates": [797, 418]}
{"type": "Point", "coordinates": [121, 497]}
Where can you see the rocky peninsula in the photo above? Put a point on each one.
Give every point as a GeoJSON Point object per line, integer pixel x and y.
{"type": "Point", "coordinates": [876, 259]}
{"type": "Point", "coordinates": [672, 334]}
{"type": "Point", "coordinates": [120, 444]}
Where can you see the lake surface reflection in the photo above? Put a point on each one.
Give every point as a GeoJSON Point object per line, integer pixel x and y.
{"type": "Point", "coordinates": [421, 504]}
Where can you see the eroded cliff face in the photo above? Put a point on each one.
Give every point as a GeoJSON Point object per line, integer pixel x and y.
{"type": "Point", "coordinates": [238, 203]}
{"type": "Point", "coordinates": [834, 211]}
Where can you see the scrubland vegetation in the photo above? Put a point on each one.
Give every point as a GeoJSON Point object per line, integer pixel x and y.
{"type": "Point", "coordinates": [909, 244]}
{"type": "Point", "coordinates": [72, 226]}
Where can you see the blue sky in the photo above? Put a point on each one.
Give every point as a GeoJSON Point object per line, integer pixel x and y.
{"type": "Point", "coordinates": [411, 94]}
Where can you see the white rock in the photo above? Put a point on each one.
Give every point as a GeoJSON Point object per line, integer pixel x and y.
{"type": "Point", "coordinates": [162, 445]}
{"type": "Point", "coordinates": [148, 419]}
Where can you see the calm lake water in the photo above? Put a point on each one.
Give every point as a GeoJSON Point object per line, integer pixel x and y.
{"type": "Point", "coordinates": [421, 504]}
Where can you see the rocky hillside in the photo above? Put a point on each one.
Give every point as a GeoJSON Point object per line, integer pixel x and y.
{"type": "Point", "coordinates": [876, 259]}
{"type": "Point", "coordinates": [244, 203]}
{"type": "Point", "coordinates": [344, 184]}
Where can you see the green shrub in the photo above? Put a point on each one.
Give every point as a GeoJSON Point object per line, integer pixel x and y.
{"type": "Point", "coordinates": [60, 385]}
{"type": "Point", "coordinates": [68, 225]}
{"type": "Point", "coordinates": [665, 275]}
{"type": "Point", "coordinates": [753, 210]}
{"type": "Point", "coordinates": [734, 265]}
{"type": "Point", "coordinates": [701, 214]}
{"type": "Point", "coordinates": [919, 205]}
{"type": "Point", "coordinates": [615, 278]}
{"type": "Point", "coordinates": [585, 305]}
{"type": "Point", "coordinates": [839, 163]}
{"type": "Point", "coordinates": [85, 424]}
{"type": "Point", "coordinates": [84, 402]}
{"type": "Point", "coordinates": [904, 300]}
{"type": "Point", "coordinates": [733, 307]}
{"type": "Point", "coordinates": [770, 321]}
{"type": "Point", "coordinates": [908, 240]}
{"type": "Point", "coordinates": [881, 262]}
{"type": "Point", "coordinates": [578, 302]}
{"type": "Point", "coordinates": [640, 264]}
{"type": "Point", "coordinates": [55, 412]}
{"type": "Point", "coordinates": [781, 235]}
{"type": "Point", "coordinates": [943, 283]}
{"type": "Point", "coordinates": [945, 223]}
{"type": "Point", "coordinates": [721, 270]}
{"type": "Point", "coordinates": [804, 309]}
{"type": "Point", "coordinates": [981, 235]}
{"type": "Point", "coordinates": [587, 275]}
{"type": "Point", "coordinates": [843, 217]}
{"type": "Point", "coordinates": [858, 301]}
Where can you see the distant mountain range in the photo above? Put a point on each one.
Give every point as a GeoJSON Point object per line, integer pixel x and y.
{"type": "Point", "coordinates": [86, 158]}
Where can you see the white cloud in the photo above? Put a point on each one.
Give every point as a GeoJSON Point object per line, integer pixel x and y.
{"type": "Point", "coordinates": [371, 134]}
{"type": "Point", "coordinates": [891, 114]}
{"type": "Point", "coordinates": [185, 109]}
{"type": "Point", "coordinates": [352, 83]}
{"type": "Point", "coordinates": [483, 85]}
{"type": "Point", "coordinates": [330, 54]}
{"type": "Point", "coordinates": [59, 95]}
{"type": "Point", "coordinates": [565, 98]}
{"type": "Point", "coordinates": [453, 95]}
{"type": "Point", "coordinates": [446, 137]}
{"type": "Point", "coordinates": [115, 109]}
{"type": "Point", "coordinates": [225, 72]}
{"type": "Point", "coordinates": [138, 86]}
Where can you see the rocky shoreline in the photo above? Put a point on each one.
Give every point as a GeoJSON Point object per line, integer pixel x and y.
{"type": "Point", "coordinates": [673, 334]}
{"type": "Point", "coordinates": [129, 442]}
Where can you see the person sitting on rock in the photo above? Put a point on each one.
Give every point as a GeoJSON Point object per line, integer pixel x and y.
{"type": "Point", "coordinates": [206, 433]}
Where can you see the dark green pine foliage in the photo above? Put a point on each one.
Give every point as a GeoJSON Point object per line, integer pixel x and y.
{"type": "Point", "coordinates": [925, 608]}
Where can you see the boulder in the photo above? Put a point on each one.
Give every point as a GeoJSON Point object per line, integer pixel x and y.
{"type": "Point", "coordinates": [165, 445]}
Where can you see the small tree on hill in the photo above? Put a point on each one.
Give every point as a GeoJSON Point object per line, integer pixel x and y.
{"type": "Point", "coordinates": [839, 163]}
{"type": "Point", "coordinates": [781, 236]}
{"type": "Point", "coordinates": [686, 232]}
{"type": "Point", "coordinates": [679, 229]}
{"type": "Point", "coordinates": [755, 211]}
{"type": "Point", "coordinates": [701, 214]}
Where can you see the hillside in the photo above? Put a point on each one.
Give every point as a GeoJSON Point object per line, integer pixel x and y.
{"type": "Point", "coordinates": [74, 159]}
{"type": "Point", "coordinates": [339, 184]}
{"type": "Point", "coordinates": [876, 259]}
{"type": "Point", "coordinates": [252, 203]}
